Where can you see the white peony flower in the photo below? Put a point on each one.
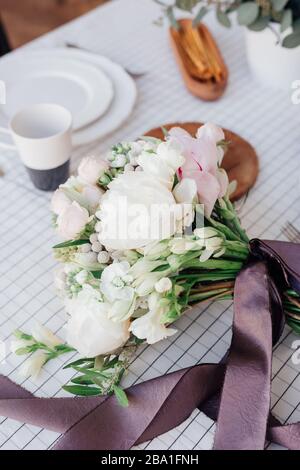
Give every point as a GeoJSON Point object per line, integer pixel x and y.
{"type": "Point", "coordinates": [33, 365]}
{"type": "Point", "coordinates": [59, 202]}
{"type": "Point", "coordinates": [149, 326]}
{"type": "Point", "coordinates": [136, 210]}
{"type": "Point", "coordinates": [42, 334]}
{"type": "Point", "coordinates": [91, 169]}
{"type": "Point", "coordinates": [72, 221]}
{"type": "Point", "coordinates": [89, 330]}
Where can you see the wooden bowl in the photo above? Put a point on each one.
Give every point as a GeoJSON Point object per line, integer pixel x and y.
{"type": "Point", "coordinates": [240, 160]}
{"type": "Point", "coordinates": [208, 90]}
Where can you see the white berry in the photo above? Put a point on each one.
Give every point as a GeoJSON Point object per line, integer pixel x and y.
{"type": "Point", "coordinates": [103, 257]}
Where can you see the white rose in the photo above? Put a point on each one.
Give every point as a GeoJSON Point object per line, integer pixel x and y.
{"type": "Point", "coordinates": [89, 330]}
{"type": "Point", "coordinates": [91, 169]}
{"type": "Point", "coordinates": [136, 210]}
{"type": "Point", "coordinates": [149, 326]}
{"type": "Point", "coordinates": [72, 221]}
{"type": "Point", "coordinates": [92, 195]}
{"type": "Point", "coordinates": [59, 202]}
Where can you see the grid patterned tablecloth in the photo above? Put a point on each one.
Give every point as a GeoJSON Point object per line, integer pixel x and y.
{"type": "Point", "coordinates": [124, 31]}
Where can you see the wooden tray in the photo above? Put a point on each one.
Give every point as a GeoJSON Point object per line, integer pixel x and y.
{"type": "Point", "coordinates": [240, 160]}
{"type": "Point", "coordinates": [207, 90]}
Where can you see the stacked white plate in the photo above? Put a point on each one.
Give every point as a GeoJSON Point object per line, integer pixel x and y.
{"type": "Point", "coordinates": [98, 92]}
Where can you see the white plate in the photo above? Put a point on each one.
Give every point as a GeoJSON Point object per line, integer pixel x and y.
{"type": "Point", "coordinates": [125, 94]}
{"type": "Point", "coordinates": [46, 78]}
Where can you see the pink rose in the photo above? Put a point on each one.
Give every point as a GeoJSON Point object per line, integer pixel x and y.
{"type": "Point", "coordinates": [202, 163]}
{"type": "Point", "coordinates": [72, 221]}
{"type": "Point", "coordinates": [91, 169]}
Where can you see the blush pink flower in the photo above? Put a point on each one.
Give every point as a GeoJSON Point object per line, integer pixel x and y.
{"type": "Point", "coordinates": [202, 160]}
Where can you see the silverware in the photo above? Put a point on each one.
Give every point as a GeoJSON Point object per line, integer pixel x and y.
{"type": "Point", "coordinates": [132, 73]}
{"type": "Point", "coordinates": [291, 232]}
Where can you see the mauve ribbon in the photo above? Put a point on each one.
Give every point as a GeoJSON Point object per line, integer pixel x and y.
{"type": "Point", "coordinates": [235, 392]}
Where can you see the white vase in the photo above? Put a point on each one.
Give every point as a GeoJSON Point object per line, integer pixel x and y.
{"type": "Point", "coordinates": [273, 65]}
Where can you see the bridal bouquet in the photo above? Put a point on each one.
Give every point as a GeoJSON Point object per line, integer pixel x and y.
{"type": "Point", "coordinates": [148, 231]}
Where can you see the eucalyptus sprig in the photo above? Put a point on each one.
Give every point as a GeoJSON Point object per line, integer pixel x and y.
{"type": "Point", "coordinates": [254, 14]}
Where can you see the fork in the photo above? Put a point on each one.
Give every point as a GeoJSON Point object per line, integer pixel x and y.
{"type": "Point", "coordinates": [291, 232]}
{"type": "Point", "coordinates": [132, 73]}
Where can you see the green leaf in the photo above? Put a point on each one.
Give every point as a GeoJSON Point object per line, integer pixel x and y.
{"type": "Point", "coordinates": [97, 274]}
{"type": "Point", "coordinates": [279, 5]}
{"type": "Point", "coordinates": [260, 23]}
{"type": "Point", "coordinates": [78, 362]}
{"type": "Point", "coordinates": [82, 390]}
{"type": "Point", "coordinates": [71, 243]}
{"type": "Point", "coordinates": [291, 41]}
{"type": "Point", "coordinates": [200, 15]}
{"type": "Point", "coordinates": [121, 396]}
{"type": "Point", "coordinates": [286, 21]}
{"type": "Point", "coordinates": [247, 13]}
{"type": "Point", "coordinates": [186, 5]}
{"type": "Point", "coordinates": [82, 380]}
{"type": "Point", "coordinates": [223, 18]}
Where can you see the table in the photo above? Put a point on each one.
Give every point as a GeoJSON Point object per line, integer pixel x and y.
{"type": "Point", "coordinates": [124, 31]}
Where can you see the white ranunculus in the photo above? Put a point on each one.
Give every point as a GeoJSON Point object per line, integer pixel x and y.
{"type": "Point", "coordinates": [89, 330]}
{"type": "Point", "coordinates": [136, 210]}
{"type": "Point", "coordinates": [32, 366]}
{"type": "Point", "coordinates": [149, 326]}
{"type": "Point", "coordinates": [91, 169]}
{"type": "Point", "coordinates": [59, 202]}
{"type": "Point", "coordinates": [72, 221]}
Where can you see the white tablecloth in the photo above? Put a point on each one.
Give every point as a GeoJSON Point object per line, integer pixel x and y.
{"type": "Point", "coordinates": [124, 31]}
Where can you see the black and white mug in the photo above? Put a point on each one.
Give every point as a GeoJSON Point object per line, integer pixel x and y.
{"type": "Point", "coordinates": [42, 134]}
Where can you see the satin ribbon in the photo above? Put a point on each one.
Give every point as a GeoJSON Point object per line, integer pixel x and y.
{"type": "Point", "coordinates": [235, 392]}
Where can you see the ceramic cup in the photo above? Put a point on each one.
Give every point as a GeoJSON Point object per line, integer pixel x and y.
{"type": "Point", "coordinates": [42, 136]}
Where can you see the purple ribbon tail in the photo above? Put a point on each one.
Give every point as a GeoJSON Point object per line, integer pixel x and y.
{"type": "Point", "coordinates": [236, 392]}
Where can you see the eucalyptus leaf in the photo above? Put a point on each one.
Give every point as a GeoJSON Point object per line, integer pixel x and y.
{"type": "Point", "coordinates": [286, 21]}
{"type": "Point", "coordinates": [200, 15]}
{"type": "Point", "coordinates": [82, 390]}
{"type": "Point", "coordinates": [279, 5]}
{"type": "Point", "coordinates": [121, 396]}
{"type": "Point", "coordinates": [223, 18]}
{"type": "Point", "coordinates": [247, 13]}
{"type": "Point", "coordinates": [186, 5]}
{"type": "Point", "coordinates": [71, 243]}
{"type": "Point", "coordinates": [260, 23]}
{"type": "Point", "coordinates": [291, 41]}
